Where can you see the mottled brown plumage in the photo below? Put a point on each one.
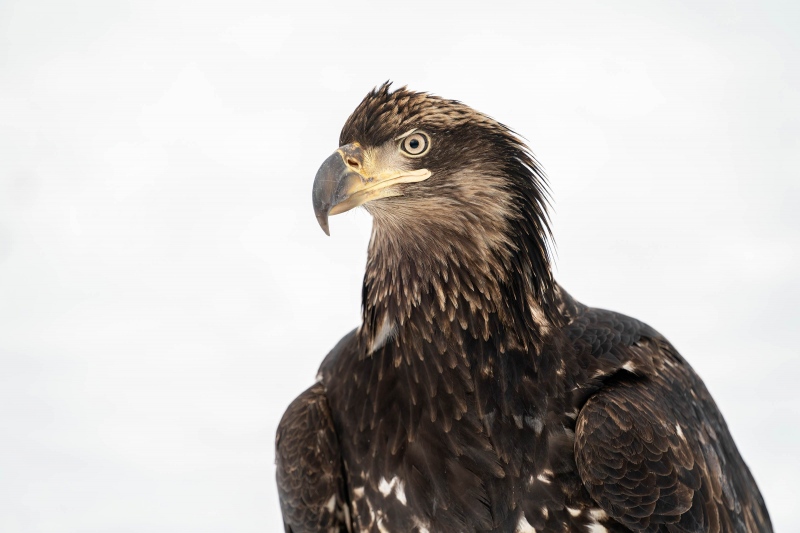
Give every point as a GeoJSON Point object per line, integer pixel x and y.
{"type": "Point", "coordinates": [477, 395]}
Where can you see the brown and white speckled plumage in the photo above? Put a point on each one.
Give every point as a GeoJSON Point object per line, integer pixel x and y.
{"type": "Point", "coordinates": [477, 395]}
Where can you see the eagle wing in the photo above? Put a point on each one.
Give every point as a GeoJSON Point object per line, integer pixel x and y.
{"type": "Point", "coordinates": [309, 467]}
{"type": "Point", "coordinates": [656, 455]}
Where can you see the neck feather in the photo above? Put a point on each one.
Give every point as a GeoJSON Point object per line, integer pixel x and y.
{"type": "Point", "coordinates": [441, 284]}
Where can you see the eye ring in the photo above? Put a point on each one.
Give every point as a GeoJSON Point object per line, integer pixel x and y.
{"type": "Point", "coordinates": [415, 145]}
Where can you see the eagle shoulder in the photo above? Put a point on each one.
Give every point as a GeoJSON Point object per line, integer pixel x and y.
{"type": "Point", "coordinates": [653, 450]}
{"type": "Point", "coordinates": [309, 467]}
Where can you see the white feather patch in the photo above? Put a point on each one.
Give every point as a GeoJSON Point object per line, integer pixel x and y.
{"type": "Point", "coordinates": [331, 505]}
{"type": "Point", "coordinates": [546, 476]}
{"type": "Point", "coordinates": [597, 515]}
{"type": "Point", "coordinates": [396, 486]}
{"type": "Point", "coordinates": [384, 335]}
{"type": "Point", "coordinates": [523, 526]}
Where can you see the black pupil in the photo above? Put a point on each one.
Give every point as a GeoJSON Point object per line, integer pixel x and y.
{"type": "Point", "coordinates": [413, 144]}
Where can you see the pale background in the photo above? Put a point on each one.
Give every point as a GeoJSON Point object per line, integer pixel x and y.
{"type": "Point", "coordinates": [165, 290]}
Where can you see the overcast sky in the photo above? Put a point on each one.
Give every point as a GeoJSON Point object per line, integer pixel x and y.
{"type": "Point", "coordinates": [165, 290]}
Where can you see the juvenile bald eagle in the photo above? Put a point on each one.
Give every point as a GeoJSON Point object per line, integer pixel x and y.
{"type": "Point", "coordinates": [477, 395]}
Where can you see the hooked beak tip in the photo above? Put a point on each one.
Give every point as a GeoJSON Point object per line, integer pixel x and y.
{"type": "Point", "coordinates": [322, 218]}
{"type": "Point", "coordinates": [329, 188]}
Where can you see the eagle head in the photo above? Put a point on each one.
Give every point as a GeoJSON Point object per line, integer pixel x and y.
{"type": "Point", "coordinates": [453, 193]}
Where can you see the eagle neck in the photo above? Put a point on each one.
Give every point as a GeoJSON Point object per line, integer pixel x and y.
{"type": "Point", "coordinates": [426, 288]}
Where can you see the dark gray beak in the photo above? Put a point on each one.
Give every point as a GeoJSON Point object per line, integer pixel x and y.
{"type": "Point", "coordinates": [335, 182]}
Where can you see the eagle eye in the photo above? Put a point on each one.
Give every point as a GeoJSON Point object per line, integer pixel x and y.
{"type": "Point", "coordinates": [416, 144]}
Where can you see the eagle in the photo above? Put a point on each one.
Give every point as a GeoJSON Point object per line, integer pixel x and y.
{"type": "Point", "coordinates": [477, 395]}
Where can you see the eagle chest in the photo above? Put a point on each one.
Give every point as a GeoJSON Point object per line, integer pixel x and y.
{"type": "Point", "coordinates": [427, 448]}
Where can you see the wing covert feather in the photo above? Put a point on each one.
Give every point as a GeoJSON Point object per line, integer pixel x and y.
{"type": "Point", "coordinates": [309, 467]}
{"type": "Point", "coordinates": [656, 455]}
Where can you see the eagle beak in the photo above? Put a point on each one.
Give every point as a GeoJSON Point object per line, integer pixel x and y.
{"type": "Point", "coordinates": [345, 180]}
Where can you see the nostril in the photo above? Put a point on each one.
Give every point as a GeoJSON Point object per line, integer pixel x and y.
{"type": "Point", "coordinates": [353, 163]}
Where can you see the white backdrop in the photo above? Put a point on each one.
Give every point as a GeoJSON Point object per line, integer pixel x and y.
{"type": "Point", "coordinates": [165, 290]}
